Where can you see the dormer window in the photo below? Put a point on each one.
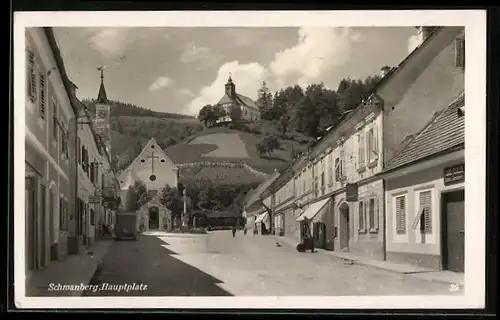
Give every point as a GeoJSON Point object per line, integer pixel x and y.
{"type": "Point", "coordinates": [461, 111]}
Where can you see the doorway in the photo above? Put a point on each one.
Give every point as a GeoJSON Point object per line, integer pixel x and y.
{"type": "Point", "coordinates": [344, 227]}
{"type": "Point", "coordinates": [31, 223]}
{"type": "Point", "coordinates": [154, 218]}
{"type": "Point", "coordinates": [453, 204]}
{"type": "Point", "coordinates": [43, 227]}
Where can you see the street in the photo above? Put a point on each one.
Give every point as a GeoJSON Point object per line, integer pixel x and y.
{"type": "Point", "coordinates": [220, 265]}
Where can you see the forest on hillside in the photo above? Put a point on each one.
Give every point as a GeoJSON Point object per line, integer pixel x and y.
{"type": "Point", "coordinates": [120, 108]}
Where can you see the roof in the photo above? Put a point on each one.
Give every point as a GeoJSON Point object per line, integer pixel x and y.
{"type": "Point", "coordinates": [241, 99]}
{"type": "Point", "coordinates": [102, 98]}
{"type": "Point", "coordinates": [445, 131]}
{"type": "Point", "coordinates": [222, 214]}
{"type": "Point", "coordinates": [68, 85]}
{"type": "Point", "coordinates": [257, 192]}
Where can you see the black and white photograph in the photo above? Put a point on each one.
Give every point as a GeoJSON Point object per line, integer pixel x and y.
{"type": "Point", "coordinates": [250, 159]}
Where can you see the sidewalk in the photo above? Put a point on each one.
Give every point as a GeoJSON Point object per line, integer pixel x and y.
{"type": "Point", "coordinates": [402, 268]}
{"type": "Point", "coordinates": [74, 270]}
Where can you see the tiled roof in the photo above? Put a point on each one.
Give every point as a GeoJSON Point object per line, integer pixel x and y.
{"type": "Point", "coordinates": [241, 99]}
{"type": "Point", "coordinates": [446, 130]}
{"type": "Point", "coordinates": [257, 192]}
{"type": "Point", "coordinates": [246, 101]}
{"type": "Point", "coordinates": [225, 99]}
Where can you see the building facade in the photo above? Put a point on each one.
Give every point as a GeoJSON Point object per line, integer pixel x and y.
{"type": "Point", "coordinates": [232, 99]}
{"type": "Point", "coordinates": [339, 187]}
{"type": "Point", "coordinates": [425, 195]}
{"type": "Point", "coordinates": [49, 160]}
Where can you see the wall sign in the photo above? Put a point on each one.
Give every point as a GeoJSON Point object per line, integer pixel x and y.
{"type": "Point", "coordinates": [351, 192]}
{"type": "Point", "coordinates": [454, 174]}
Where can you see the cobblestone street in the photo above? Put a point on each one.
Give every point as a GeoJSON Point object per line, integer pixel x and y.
{"type": "Point", "coordinates": [219, 265]}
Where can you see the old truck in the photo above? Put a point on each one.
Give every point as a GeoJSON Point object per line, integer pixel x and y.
{"type": "Point", "coordinates": [126, 226]}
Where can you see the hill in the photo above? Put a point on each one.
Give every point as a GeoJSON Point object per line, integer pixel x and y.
{"type": "Point", "coordinates": [235, 146]}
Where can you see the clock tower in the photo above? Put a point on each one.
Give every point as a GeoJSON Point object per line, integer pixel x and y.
{"type": "Point", "coordinates": [102, 114]}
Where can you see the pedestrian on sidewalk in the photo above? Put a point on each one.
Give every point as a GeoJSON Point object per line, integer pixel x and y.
{"type": "Point", "coordinates": [233, 229]}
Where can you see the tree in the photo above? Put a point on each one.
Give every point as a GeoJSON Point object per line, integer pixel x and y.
{"type": "Point", "coordinates": [207, 115]}
{"type": "Point", "coordinates": [268, 145]}
{"type": "Point", "coordinates": [284, 124]}
{"type": "Point", "coordinates": [235, 112]}
{"type": "Point", "coordinates": [264, 101]}
{"type": "Point", "coordinates": [131, 200]}
{"type": "Point", "coordinates": [141, 192]}
{"type": "Point", "coordinates": [172, 200]}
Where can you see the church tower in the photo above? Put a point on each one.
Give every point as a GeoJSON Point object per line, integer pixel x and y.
{"type": "Point", "coordinates": [102, 114]}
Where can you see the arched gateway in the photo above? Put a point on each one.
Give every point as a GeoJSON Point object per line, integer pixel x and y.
{"type": "Point", "coordinates": [155, 216]}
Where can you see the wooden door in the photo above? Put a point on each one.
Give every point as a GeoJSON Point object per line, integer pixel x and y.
{"type": "Point", "coordinates": [454, 242]}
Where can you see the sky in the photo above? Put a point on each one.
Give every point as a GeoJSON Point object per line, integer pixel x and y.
{"type": "Point", "coordinates": [180, 69]}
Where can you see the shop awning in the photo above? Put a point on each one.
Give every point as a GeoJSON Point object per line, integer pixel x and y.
{"type": "Point", "coordinates": [313, 210]}
{"type": "Point", "coordinates": [260, 217]}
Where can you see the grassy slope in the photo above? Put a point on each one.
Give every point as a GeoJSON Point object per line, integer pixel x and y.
{"type": "Point", "coordinates": [186, 152]}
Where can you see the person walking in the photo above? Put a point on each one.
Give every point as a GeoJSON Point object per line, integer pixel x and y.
{"type": "Point", "coordinates": [233, 229]}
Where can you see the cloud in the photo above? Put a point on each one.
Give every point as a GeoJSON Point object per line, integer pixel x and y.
{"type": "Point", "coordinates": [249, 75]}
{"type": "Point", "coordinates": [186, 92]}
{"type": "Point", "coordinates": [316, 54]}
{"type": "Point", "coordinates": [198, 54]}
{"type": "Point", "coordinates": [159, 83]}
{"type": "Point", "coordinates": [109, 42]}
{"type": "Point", "coordinates": [413, 42]}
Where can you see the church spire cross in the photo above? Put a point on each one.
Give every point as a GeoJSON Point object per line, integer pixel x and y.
{"type": "Point", "coordinates": [153, 157]}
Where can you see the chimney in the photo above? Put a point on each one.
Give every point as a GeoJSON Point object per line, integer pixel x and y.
{"type": "Point", "coordinates": [384, 70]}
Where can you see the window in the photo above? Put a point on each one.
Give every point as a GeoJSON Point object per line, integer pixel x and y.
{"type": "Point", "coordinates": [372, 144]}
{"type": "Point", "coordinates": [55, 123]}
{"type": "Point", "coordinates": [92, 217]}
{"type": "Point", "coordinates": [322, 179]}
{"type": "Point", "coordinates": [361, 213]}
{"type": "Point", "coordinates": [338, 169]}
{"type": "Point", "coordinates": [425, 200]}
{"type": "Point", "coordinates": [31, 76]}
{"type": "Point", "coordinates": [371, 214]}
{"type": "Point", "coordinates": [152, 177]}
{"type": "Point", "coordinates": [79, 150]}
{"type": "Point", "coordinates": [64, 139]}
{"type": "Point", "coordinates": [42, 95]}
{"type": "Point", "coordinates": [330, 169]}
{"type": "Point", "coordinates": [400, 215]}
{"type": "Point", "coordinates": [460, 52]}
{"type": "Point", "coordinates": [361, 150]}
{"type": "Point", "coordinates": [63, 211]}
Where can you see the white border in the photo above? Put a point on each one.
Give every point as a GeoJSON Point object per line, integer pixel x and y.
{"type": "Point", "coordinates": [475, 83]}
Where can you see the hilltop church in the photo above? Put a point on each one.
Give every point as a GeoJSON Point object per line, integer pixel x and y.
{"type": "Point", "coordinates": [249, 110]}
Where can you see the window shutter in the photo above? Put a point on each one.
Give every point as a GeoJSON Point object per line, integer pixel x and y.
{"type": "Point", "coordinates": [31, 86]}
{"type": "Point", "coordinates": [460, 52]}
{"type": "Point", "coordinates": [375, 140]}
{"type": "Point", "coordinates": [42, 95]}
{"type": "Point", "coordinates": [371, 208]}
{"type": "Point", "coordinates": [425, 205]}
{"type": "Point", "coordinates": [361, 150]}
{"type": "Point", "coordinates": [400, 215]}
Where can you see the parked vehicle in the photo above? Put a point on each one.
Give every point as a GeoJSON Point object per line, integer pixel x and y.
{"type": "Point", "coordinates": [126, 226]}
